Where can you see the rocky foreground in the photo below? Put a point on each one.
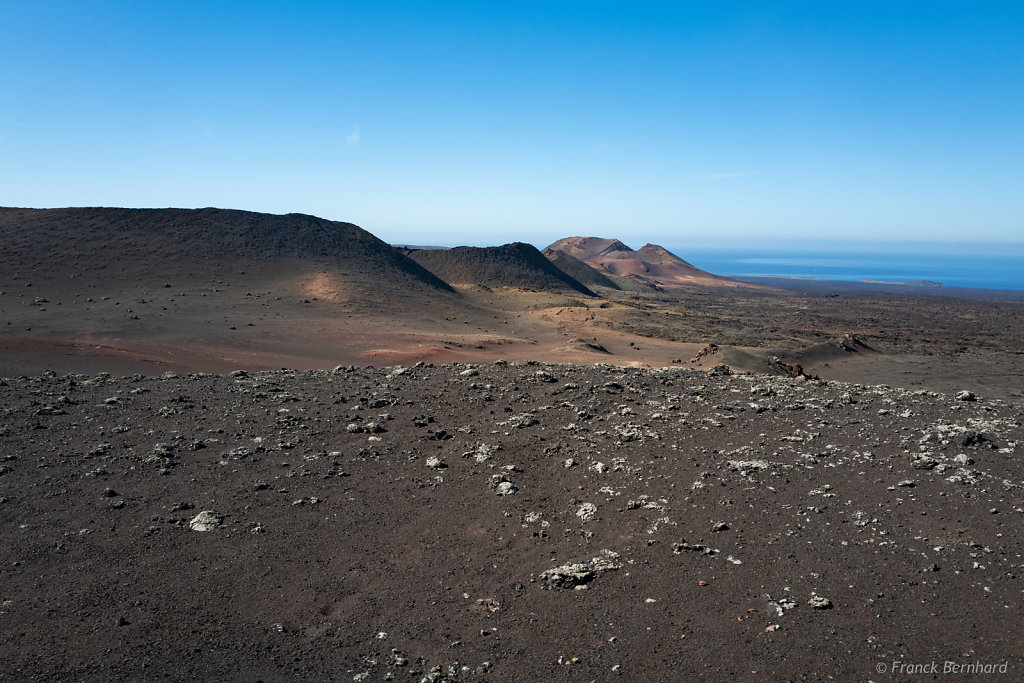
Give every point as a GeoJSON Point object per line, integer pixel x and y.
{"type": "Point", "coordinates": [504, 522]}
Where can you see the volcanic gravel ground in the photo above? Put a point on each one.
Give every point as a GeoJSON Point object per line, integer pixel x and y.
{"type": "Point", "coordinates": [503, 522]}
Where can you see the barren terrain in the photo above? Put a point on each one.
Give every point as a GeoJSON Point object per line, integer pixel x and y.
{"type": "Point", "coordinates": [146, 291]}
{"type": "Point", "coordinates": [236, 446]}
{"type": "Point", "coordinates": [503, 522]}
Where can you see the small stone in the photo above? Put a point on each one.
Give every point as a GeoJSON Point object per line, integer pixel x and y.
{"type": "Point", "coordinates": [435, 463]}
{"type": "Point", "coordinates": [721, 526]}
{"type": "Point", "coordinates": [205, 521]}
{"type": "Point", "coordinates": [965, 395]}
{"type": "Point", "coordinates": [506, 488]}
{"type": "Point", "coordinates": [820, 602]}
{"type": "Point", "coordinates": [586, 512]}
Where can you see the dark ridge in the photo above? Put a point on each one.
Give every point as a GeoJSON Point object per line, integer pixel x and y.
{"type": "Point", "coordinates": [142, 242]}
{"type": "Point", "coordinates": [615, 246]}
{"type": "Point", "coordinates": [579, 270]}
{"type": "Point", "coordinates": [510, 265]}
{"type": "Point", "coordinates": [833, 349]}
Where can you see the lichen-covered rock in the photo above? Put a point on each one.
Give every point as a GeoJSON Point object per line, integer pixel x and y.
{"type": "Point", "coordinates": [580, 573]}
{"type": "Point", "coordinates": [820, 602]}
{"type": "Point", "coordinates": [205, 521]}
{"type": "Point", "coordinates": [586, 512]}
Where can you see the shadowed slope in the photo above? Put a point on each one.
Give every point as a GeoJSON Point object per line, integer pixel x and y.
{"type": "Point", "coordinates": [593, 277]}
{"type": "Point", "coordinates": [579, 270]}
{"type": "Point", "coordinates": [143, 243]}
{"type": "Point", "coordinates": [511, 265]}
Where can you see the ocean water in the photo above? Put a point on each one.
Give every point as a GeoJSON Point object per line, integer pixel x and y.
{"type": "Point", "coordinates": [988, 268]}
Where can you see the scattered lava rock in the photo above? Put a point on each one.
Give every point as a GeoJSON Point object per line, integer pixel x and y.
{"type": "Point", "coordinates": [335, 553]}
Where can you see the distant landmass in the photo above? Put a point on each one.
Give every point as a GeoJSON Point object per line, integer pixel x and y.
{"type": "Point", "coordinates": [909, 283]}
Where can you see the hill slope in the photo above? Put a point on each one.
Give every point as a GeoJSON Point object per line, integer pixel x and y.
{"type": "Point", "coordinates": [579, 270]}
{"type": "Point", "coordinates": [511, 265]}
{"type": "Point", "coordinates": [582, 271]}
{"type": "Point", "coordinates": [593, 277]}
{"type": "Point", "coordinates": [144, 243]}
{"type": "Point", "coordinates": [651, 264]}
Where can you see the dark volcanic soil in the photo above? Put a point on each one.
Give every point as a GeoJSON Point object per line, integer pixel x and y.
{"type": "Point", "coordinates": [510, 265]}
{"type": "Point", "coordinates": [405, 523]}
{"type": "Point", "coordinates": [155, 244]}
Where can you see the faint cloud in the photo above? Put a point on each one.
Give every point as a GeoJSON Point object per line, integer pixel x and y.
{"type": "Point", "coordinates": [723, 176]}
{"type": "Point", "coordinates": [352, 139]}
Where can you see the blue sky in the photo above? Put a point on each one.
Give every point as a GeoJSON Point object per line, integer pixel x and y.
{"type": "Point", "coordinates": [485, 122]}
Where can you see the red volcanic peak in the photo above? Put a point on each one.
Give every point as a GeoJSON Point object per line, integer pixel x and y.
{"type": "Point", "coordinates": [652, 264]}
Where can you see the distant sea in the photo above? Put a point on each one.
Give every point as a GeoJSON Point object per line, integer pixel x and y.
{"type": "Point", "coordinates": [999, 269]}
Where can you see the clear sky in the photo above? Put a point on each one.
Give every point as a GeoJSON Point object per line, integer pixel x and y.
{"type": "Point", "coordinates": [447, 122]}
